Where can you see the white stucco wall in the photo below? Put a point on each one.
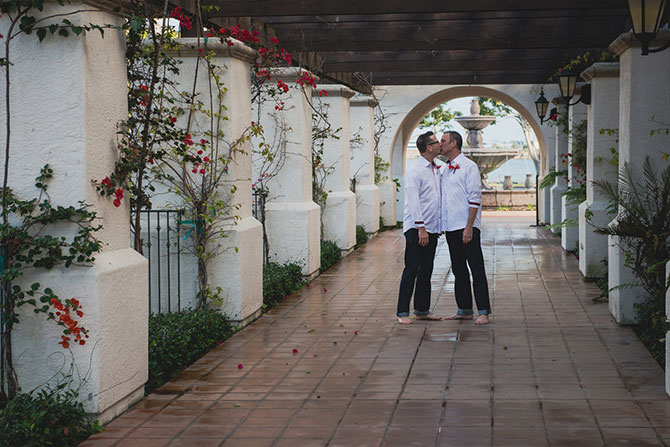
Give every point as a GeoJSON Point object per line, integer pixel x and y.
{"type": "Point", "coordinates": [239, 260]}
{"type": "Point", "coordinates": [293, 221]}
{"type": "Point", "coordinates": [642, 106]}
{"type": "Point", "coordinates": [363, 163]}
{"type": "Point", "coordinates": [603, 113]}
{"type": "Point", "coordinates": [67, 97]}
{"type": "Point", "coordinates": [569, 210]}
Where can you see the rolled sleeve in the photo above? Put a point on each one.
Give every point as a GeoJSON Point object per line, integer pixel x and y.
{"type": "Point", "coordinates": [412, 186]}
{"type": "Point", "coordinates": [474, 186]}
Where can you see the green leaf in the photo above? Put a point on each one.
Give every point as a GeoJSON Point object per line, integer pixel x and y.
{"type": "Point", "coordinates": [35, 286]}
{"type": "Point", "coordinates": [63, 32]}
{"type": "Point", "coordinates": [41, 34]}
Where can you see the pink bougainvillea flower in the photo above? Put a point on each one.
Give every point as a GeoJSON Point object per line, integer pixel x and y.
{"type": "Point", "coordinates": [172, 119]}
{"type": "Point", "coordinates": [295, 351]}
{"type": "Point", "coordinates": [202, 171]}
{"type": "Point", "coordinates": [205, 159]}
{"type": "Point", "coordinates": [240, 366]}
{"type": "Point", "coordinates": [307, 285]}
{"type": "Point", "coordinates": [356, 332]}
{"type": "Point", "coordinates": [325, 290]}
{"type": "Point", "coordinates": [274, 40]}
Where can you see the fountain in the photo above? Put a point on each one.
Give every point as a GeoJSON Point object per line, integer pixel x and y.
{"type": "Point", "coordinates": [487, 158]}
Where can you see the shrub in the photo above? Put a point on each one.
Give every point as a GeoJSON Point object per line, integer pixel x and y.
{"type": "Point", "coordinates": [279, 281]}
{"type": "Point", "coordinates": [330, 254]}
{"type": "Point", "coordinates": [178, 339]}
{"type": "Point", "coordinates": [50, 417]}
{"type": "Point", "coordinates": [361, 235]}
{"type": "Point", "coordinates": [642, 207]}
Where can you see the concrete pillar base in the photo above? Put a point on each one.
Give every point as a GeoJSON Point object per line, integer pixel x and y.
{"type": "Point", "coordinates": [622, 300]}
{"type": "Point", "coordinates": [294, 231]}
{"type": "Point", "coordinates": [114, 297]}
{"type": "Point", "coordinates": [592, 246]}
{"type": "Point", "coordinates": [556, 206]}
{"type": "Point", "coordinates": [387, 203]}
{"type": "Point", "coordinates": [570, 232]}
{"type": "Point", "coordinates": [236, 270]}
{"type": "Point", "coordinates": [367, 207]}
{"type": "Point", "coordinates": [339, 219]}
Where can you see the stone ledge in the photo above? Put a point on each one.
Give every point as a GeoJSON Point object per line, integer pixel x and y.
{"type": "Point", "coordinates": [628, 40]}
{"type": "Point", "coordinates": [518, 199]}
{"type": "Point", "coordinates": [601, 70]}
{"type": "Point", "coordinates": [188, 47]}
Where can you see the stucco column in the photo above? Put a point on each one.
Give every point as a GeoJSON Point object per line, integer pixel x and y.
{"type": "Point", "coordinates": [569, 210]}
{"type": "Point", "coordinates": [561, 184]}
{"type": "Point", "coordinates": [642, 106]}
{"type": "Point", "coordinates": [545, 193]}
{"type": "Point", "coordinates": [603, 113]}
{"type": "Point", "coordinates": [292, 219]}
{"type": "Point", "coordinates": [239, 262]}
{"type": "Point", "coordinates": [339, 213]}
{"type": "Point", "coordinates": [67, 96]}
{"type": "Point", "coordinates": [362, 166]}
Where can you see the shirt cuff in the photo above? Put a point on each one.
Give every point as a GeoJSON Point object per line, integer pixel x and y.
{"type": "Point", "coordinates": [474, 204]}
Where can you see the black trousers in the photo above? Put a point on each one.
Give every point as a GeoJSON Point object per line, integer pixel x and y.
{"type": "Point", "coordinates": [416, 275]}
{"type": "Point", "coordinates": [471, 253]}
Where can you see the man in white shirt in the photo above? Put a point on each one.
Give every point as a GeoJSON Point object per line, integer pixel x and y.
{"type": "Point", "coordinates": [422, 225]}
{"type": "Point", "coordinates": [462, 198]}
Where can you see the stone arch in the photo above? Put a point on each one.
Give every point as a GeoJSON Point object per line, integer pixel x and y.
{"type": "Point", "coordinates": [414, 116]}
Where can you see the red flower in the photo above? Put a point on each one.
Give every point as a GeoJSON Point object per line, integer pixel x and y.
{"type": "Point", "coordinates": [282, 85]}
{"type": "Point", "coordinates": [240, 366]}
{"type": "Point", "coordinates": [143, 87]}
{"type": "Point", "coordinates": [117, 203]}
{"type": "Point", "coordinates": [356, 332]}
{"type": "Point", "coordinates": [274, 40]}
{"type": "Point", "coordinates": [172, 119]}
{"type": "Point", "coordinates": [295, 351]}
{"type": "Point", "coordinates": [205, 159]}
{"type": "Point", "coordinates": [202, 171]}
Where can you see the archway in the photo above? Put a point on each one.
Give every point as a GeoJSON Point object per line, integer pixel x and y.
{"type": "Point", "coordinates": [414, 116]}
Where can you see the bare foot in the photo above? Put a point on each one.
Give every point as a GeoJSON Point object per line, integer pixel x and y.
{"type": "Point", "coordinates": [427, 317]}
{"type": "Point", "coordinates": [404, 320]}
{"type": "Point", "coordinates": [458, 317]}
{"type": "Point", "coordinates": [482, 319]}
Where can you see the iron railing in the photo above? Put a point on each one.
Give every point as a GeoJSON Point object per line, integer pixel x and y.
{"type": "Point", "coordinates": [161, 244]}
{"type": "Point", "coordinates": [258, 211]}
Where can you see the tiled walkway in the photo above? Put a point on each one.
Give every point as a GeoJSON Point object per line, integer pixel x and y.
{"type": "Point", "coordinates": [551, 369]}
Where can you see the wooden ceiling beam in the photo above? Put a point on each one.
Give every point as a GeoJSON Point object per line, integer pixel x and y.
{"type": "Point", "coordinates": [261, 8]}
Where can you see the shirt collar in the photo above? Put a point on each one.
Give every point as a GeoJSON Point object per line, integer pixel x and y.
{"type": "Point", "coordinates": [425, 162]}
{"type": "Point", "coordinates": [456, 158]}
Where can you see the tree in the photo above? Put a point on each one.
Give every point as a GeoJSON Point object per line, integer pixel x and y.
{"type": "Point", "coordinates": [439, 118]}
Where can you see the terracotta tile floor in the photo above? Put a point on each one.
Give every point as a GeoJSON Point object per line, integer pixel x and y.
{"type": "Point", "coordinates": [551, 369]}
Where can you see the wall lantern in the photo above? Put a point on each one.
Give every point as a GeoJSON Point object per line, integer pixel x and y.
{"type": "Point", "coordinates": [647, 17]}
{"type": "Point", "coordinates": [541, 106]}
{"type": "Point", "coordinates": [567, 82]}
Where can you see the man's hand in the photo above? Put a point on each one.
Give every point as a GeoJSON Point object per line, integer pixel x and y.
{"type": "Point", "coordinates": [423, 236]}
{"type": "Point", "coordinates": [467, 235]}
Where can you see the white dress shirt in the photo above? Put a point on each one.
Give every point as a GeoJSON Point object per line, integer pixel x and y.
{"type": "Point", "coordinates": [461, 190]}
{"type": "Point", "coordinates": [423, 196]}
